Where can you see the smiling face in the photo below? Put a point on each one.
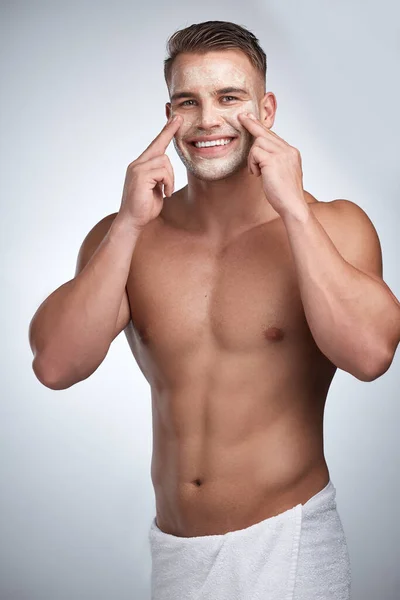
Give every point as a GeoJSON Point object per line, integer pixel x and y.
{"type": "Point", "coordinates": [200, 92]}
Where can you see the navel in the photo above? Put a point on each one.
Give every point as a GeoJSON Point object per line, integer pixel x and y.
{"type": "Point", "coordinates": [274, 334]}
{"type": "Point", "coordinates": [197, 482]}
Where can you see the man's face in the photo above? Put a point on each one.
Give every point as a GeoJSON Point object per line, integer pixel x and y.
{"type": "Point", "coordinates": [208, 112]}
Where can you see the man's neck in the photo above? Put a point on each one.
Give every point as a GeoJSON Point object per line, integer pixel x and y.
{"type": "Point", "coordinates": [225, 207]}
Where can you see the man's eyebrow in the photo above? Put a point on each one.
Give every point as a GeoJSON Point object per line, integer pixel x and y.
{"type": "Point", "coordinates": [226, 90]}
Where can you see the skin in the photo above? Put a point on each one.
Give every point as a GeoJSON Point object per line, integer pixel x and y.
{"type": "Point", "coordinates": [238, 384]}
{"type": "Point", "coordinates": [211, 180]}
{"type": "Point", "coordinates": [205, 75]}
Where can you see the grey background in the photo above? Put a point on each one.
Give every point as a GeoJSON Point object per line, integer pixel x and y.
{"type": "Point", "coordinates": [82, 95]}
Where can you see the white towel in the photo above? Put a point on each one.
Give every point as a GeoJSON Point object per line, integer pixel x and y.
{"type": "Point", "coordinates": [300, 554]}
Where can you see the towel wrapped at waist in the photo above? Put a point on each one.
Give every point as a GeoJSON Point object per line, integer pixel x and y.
{"type": "Point", "coordinates": [300, 554]}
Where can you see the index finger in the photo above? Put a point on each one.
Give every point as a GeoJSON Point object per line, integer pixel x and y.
{"type": "Point", "coordinates": [255, 126]}
{"type": "Point", "coordinates": [160, 143]}
{"type": "Point", "coordinates": [252, 125]}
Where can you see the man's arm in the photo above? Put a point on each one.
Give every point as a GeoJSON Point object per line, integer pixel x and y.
{"type": "Point", "coordinates": [72, 330]}
{"type": "Point", "coordinates": [352, 314]}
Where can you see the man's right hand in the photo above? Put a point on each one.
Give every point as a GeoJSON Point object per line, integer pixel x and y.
{"type": "Point", "coordinates": [142, 197]}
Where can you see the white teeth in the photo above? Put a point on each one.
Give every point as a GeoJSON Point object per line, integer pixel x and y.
{"type": "Point", "coordinates": [221, 142]}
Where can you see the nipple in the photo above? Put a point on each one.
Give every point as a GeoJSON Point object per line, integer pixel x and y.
{"type": "Point", "coordinates": [274, 333]}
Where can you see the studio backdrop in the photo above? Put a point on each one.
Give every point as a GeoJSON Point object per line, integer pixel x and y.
{"type": "Point", "coordinates": [82, 95]}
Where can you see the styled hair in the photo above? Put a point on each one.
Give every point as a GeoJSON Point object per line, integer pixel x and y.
{"type": "Point", "coordinates": [215, 35]}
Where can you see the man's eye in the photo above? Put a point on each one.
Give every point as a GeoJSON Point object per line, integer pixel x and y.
{"type": "Point", "coordinates": [183, 103]}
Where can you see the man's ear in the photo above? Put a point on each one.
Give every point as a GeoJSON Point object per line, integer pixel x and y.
{"type": "Point", "coordinates": [268, 107]}
{"type": "Point", "coordinates": [168, 110]}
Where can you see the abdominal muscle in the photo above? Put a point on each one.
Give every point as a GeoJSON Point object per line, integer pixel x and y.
{"type": "Point", "coordinates": [230, 451]}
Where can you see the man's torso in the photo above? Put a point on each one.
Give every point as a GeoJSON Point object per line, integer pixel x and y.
{"type": "Point", "coordinates": [238, 384]}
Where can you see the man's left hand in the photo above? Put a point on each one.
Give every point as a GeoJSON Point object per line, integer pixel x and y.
{"type": "Point", "coordinates": [279, 164]}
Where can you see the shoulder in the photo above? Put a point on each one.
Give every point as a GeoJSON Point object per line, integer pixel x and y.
{"type": "Point", "coordinates": [101, 227]}
{"type": "Point", "coordinates": [353, 233]}
{"type": "Point", "coordinates": [98, 231]}
{"type": "Point", "coordinates": [92, 240]}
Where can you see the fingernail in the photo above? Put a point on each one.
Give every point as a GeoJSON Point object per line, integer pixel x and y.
{"type": "Point", "coordinates": [251, 116]}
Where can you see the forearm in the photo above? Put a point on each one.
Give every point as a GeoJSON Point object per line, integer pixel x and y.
{"type": "Point", "coordinates": [73, 328]}
{"type": "Point", "coordinates": [351, 315]}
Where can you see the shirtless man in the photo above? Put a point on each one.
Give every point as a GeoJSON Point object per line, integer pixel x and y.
{"type": "Point", "coordinates": [240, 294]}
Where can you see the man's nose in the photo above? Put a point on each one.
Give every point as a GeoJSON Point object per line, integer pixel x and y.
{"type": "Point", "coordinates": [209, 117]}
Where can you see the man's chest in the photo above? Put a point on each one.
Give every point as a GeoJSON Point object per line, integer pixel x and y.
{"type": "Point", "coordinates": [240, 297]}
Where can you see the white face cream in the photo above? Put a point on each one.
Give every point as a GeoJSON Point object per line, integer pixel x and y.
{"type": "Point", "coordinates": [208, 113]}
